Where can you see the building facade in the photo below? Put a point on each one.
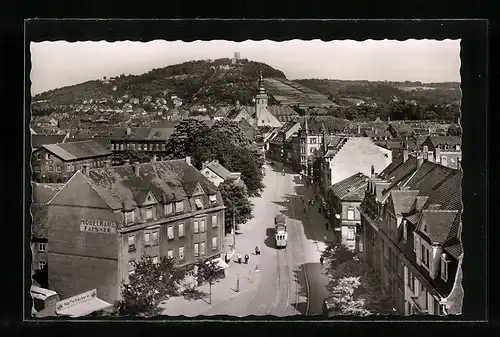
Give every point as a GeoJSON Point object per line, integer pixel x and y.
{"type": "Point", "coordinates": [411, 220]}
{"type": "Point", "coordinates": [445, 150]}
{"type": "Point", "coordinates": [150, 141]}
{"type": "Point", "coordinates": [106, 218]}
{"type": "Point", "coordinates": [41, 194]}
{"type": "Point", "coordinates": [56, 163]}
{"type": "Point", "coordinates": [345, 156]}
{"type": "Point", "coordinates": [343, 199]}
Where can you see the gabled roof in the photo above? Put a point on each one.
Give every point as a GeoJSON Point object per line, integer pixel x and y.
{"type": "Point", "coordinates": [403, 200]}
{"type": "Point", "coordinates": [394, 173]}
{"type": "Point", "coordinates": [282, 110]}
{"type": "Point", "coordinates": [218, 169]}
{"type": "Point", "coordinates": [104, 141]}
{"type": "Point", "coordinates": [223, 111]}
{"type": "Point", "coordinates": [438, 224]}
{"type": "Point", "coordinates": [77, 150]}
{"type": "Point", "coordinates": [40, 140]}
{"type": "Point", "coordinates": [167, 180]}
{"type": "Point", "coordinates": [352, 188]}
{"type": "Point", "coordinates": [41, 194]}
{"type": "Point", "coordinates": [440, 140]}
{"type": "Point", "coordinates": [402, 129]}
{"type": "Point", "coordinates": [140, 195]}
{"type": "Point", "coordinates": [160, 133]}
{"type": "Point", "coordinates": [190, 187]}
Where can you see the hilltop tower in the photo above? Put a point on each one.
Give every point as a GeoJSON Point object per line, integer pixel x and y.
{"type": "Point", "coordinates": [260, 100]}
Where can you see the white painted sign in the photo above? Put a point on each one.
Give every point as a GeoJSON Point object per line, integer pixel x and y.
{"type": "Point", "coordinates": [69, 302]}
{"type": "Point", "coordinates": [97, 226]}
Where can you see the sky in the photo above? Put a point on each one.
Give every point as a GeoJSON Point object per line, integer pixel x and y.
{"type": "Point", "coordinates": [60, 63]}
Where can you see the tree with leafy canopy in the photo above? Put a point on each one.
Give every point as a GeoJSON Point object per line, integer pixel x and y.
{"type": "Point", "coordinates": [150, 284]}
{"type": "Point", "coordinates": [243, 160]}
{"type": "Point", "coordinates": [209, 271]}
{"type": "Point", "coordinates": [353, 288]}
{"type": "Point", "coordinates": [230, 131]}
{"type": "Point", "coordinates": [134, 156]}
{"type": "Point", "coordinates": [343, 300]}
{"type": "Point", "coordinates": [188, 134]}
{"type": "Point", "coordinates": [236, 200]}
{"type": "Point", "coordinates": [225, 142]}
{"type": "Point", "coordinates": [454, 130]}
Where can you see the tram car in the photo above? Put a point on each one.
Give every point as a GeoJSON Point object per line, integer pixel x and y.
{"type": "Point", "coordinates": [280, 230]}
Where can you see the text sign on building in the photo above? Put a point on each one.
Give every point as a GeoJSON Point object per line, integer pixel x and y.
{"type": "Point", "coordinates": [69, 302]}
{"type": "Point", "coordinates": [97, 226]}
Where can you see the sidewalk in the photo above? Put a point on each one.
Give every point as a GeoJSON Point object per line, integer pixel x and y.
{"type": "Point", "coordinates": [316, 221]}
{"type": "Point", "coordinates": [222, 291]}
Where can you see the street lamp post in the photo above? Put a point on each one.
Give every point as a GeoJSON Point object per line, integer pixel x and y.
{"type": "Point", "coordinates": [234, 228]}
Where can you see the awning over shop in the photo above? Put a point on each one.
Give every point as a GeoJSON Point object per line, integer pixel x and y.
{"type": "Point", "coordinates": [81, 305]}
{"type": "Point", "coordinates": [221, 263]}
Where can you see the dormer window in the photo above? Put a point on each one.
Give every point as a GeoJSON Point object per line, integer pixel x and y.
{"type": "Point", "coordinates": [405, 230]}
{"type": "Point", "coordinates": [129, 217]}
{"type": "Point", "coordinates": [149, 213]}
{"type": "Point", "coordinates": [213, 198]}
{"type": "Point", "coordinates": [198, 203]}
{"type": "Point", "coordinates": [444, 268]}
{"type": "Point", "coordinates": [179, 206]}
{"type": "Point", "coordinates": [168, 208]}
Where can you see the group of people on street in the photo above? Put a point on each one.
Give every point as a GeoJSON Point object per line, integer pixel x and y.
{"type": "Point", "coordinates": [239, 257]}
{"type": "Point", "coordinates": [246, 258]}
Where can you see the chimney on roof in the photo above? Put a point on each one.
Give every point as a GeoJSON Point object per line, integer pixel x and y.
{"type": "Point", "coordinates": [153, 160]}
{"type": "Point", "coordinates": [430, 157]}
{"type": "Point", "coordinates": [388, 119]}
{"type": "Point", "coordinates": [373, 171]}
{"type": "Point", "coordinates": [405, 155]}
{"type": "Point", "coordinates": [188, 160]}
{"type": "Point", "coordinates": [86, 170]}
{"type": "Point", "coordinates": [438, 155]}
{"type": "Point", "coordinates": [136, 168]}
{"type": "Point", "coordinates": [129, 131]}
{"type": "Point", "coordinates": [237, 104]}
{"type": "Point", "coordinates": [435, 260]}
{"type": "Point", "coordinates": [420, 160]}
{"type": "Point", "coordinates": [359, 129]}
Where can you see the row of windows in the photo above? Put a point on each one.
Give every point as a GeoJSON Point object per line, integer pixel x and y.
{"type": "Point", "coordinates": [151, 236]}
{"type": "Point", "coordinates": [71, 167]}
{"type": "Point", "coordinates": [425, 258]}
{"type": "Point", "coordinates": [138, 147]}
{"type": "Point", "coordinates": [199, 250]}
{"type": "Point", "coordinates": [168, 209]}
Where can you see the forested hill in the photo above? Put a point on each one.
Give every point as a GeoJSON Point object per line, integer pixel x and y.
{"type": "Point", "coordinates": [384, 91]}
{"type": "Point", "coordinates": [195, 82]}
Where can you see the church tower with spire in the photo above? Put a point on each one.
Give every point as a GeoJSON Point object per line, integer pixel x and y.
{"type": "Point", "coordinates": [261, 101]}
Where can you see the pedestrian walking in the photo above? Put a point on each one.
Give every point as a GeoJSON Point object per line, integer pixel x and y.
{"type": "Point", "coordinates": [246, 258]}
{"type": "Point", "coordinates": [321, 261]}
{"type": "Point", "coordinates": [324, 237]}
{"type": "Point", "coordinates": [257, 250]}
{"type": "Point", "coordinates": [326, 225]}
{"type": "Point", "coordinates": [239, 258]}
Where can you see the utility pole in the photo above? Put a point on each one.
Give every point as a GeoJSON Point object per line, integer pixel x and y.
{"type": "Point", "coordinates": [306, 145]}
{"type": "Point", "coordinates": [234, 228]}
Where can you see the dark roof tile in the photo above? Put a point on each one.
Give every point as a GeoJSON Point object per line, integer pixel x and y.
{"type": "Point", "coordinates": [78, 150]}
{"type": "Point", "coordinates": [170, 180]}
{"type": "Point", "coordinates": [352, 188]}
